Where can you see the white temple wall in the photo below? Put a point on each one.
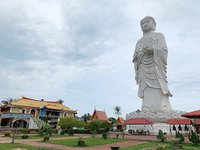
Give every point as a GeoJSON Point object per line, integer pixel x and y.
{"type": "Point", "coordinates": [154, 128]}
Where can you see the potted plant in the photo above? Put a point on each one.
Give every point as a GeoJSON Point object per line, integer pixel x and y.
{"type": "Point", "coordinates": [7, 133]}
{"type": "Point", "coordinates": [46, 131]}
{"type": "Point", "coordinates": [81, 142]}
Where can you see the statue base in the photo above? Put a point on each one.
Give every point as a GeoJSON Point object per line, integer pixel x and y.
{"type": "Point", "coordinates": [156, 116]}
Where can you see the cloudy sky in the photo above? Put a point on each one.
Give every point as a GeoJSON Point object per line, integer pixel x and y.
{"type": "Point", "coordinates": [80, 51]}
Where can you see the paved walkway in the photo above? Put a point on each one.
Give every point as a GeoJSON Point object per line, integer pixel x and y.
{"type": "Point", "coordinates": [5, 139]}
{"type": "Point", "coordinates": [62, 147]}
{"type": "Point", "coordinates": [133, 140]}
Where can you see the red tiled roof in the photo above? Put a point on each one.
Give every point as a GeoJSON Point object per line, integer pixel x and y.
{"type": "Point", "coordinates": [197, 121]}
{"type": "Point", "coordinates": [178, 121]}
{"type": "Point", "coordinates": [192, 114]}
{"type": "Point", "coordinates": [120, 120]}
{"type": "Point", "coordinates": [138, 121]}
{"type": "Point", "coordinates": [99, 115]}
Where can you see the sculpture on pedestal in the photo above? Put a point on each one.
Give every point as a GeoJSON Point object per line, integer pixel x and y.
{"type": "Point", "coordinates": [150, 63]}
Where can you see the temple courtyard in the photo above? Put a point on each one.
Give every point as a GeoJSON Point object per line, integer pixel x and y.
{"type": "Point", "coordinates": [128, 142]}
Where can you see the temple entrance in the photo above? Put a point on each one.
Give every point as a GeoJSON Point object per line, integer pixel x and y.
{"type": "Point", "coordinates": [20, 124]}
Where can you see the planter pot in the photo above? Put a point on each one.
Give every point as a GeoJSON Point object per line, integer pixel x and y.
{"type": "Point", "coordinates": [114, 147]}
{"type": "Point", "coordinates": [81, 143]}
{"type": "Point", "coordinates": [46, 138]}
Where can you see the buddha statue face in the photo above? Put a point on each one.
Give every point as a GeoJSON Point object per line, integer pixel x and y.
{"type": "Point", "coordinates": [148, 24]}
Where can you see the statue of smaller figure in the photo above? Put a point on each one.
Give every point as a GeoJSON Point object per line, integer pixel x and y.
{"type": "Point", "coordinates": [150, 63]}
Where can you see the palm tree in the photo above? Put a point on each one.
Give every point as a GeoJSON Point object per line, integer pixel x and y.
{"type": "Point", "coordinates": [86, 117]}
{"type": "Point", "coordinates": [117, 110]}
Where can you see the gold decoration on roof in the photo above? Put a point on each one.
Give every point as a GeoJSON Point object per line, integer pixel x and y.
{"type": "Point", "coordinates": [28, 102]}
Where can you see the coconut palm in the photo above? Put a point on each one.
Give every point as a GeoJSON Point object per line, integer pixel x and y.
{"type": "Point", "coordinates": [86, 117]}
{"type": "Point", "coordinates": [117, 110]}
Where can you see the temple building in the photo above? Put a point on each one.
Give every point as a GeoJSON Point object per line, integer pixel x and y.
{"type": "Point", "coordinates": [195, 119]}
{"type": "Point", "coordinates": [99, 115]}
{"type": "Point", "coordinates": [30, 113]}
{"type": "Point", "coordinates": [120, 124]}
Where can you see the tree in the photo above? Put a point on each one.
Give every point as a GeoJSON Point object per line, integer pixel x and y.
{"type": "Point", "coordinates": [7, 101]}
{"type": "Point", "coordinates": [99, 126]}
{"type": "Point", "coordinates": [94, 125]}
{"type": "Point", "coordinates": [106, 126]}
{"type": "Point", "coordinates": [112, 120]}
{"type": "Point", "coordinates": [69, 124]}
{"type": "Point", "coordinates": [86, 117]}
{"type": "Point", "coordinates": [117, 110]}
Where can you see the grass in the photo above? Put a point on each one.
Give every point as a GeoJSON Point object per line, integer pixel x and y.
{"type": "Point", "coordinates": [88, 141]}
{"type": "Point", "coordinates": [191, 147]}
{"type": "Point", "coordinates": [186, 146]}
{"type": "Point", "coordinates": [141, 146]}
{"type": "Point", "coordinates": [13, 146]}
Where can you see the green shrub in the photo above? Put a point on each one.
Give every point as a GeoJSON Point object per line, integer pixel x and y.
{"type": "Point", "coordinates": [94, 125]}
{"type": "Point", "coordinates": [46, 138]}
{"type": "Point", "coordinates": [69, 123]}
{"type": "Point", "coordinates": [25, 136]}
{"type": "Point", "coordinates": [180, 137]}
{"type": "Point", "coordinates": [54, 131]}
{"type": "Point", "coordinates": [104, 135]}
{"type": "Point", "coordinates": [45, 130]}
{"type": "Point", "coordinates": [163, 147]}
{"type": "Point", "coordinates": [99, 126]}
{"type": "Point", "coordinates": [62, 132]}
{"type": "Point", "coordinates": [70, 132]}
{"type": "Point", "coordinates": [82, 131]}
{"type": "Point", "coordinates": [94, 132]}
{"type": "Point", "coordinates": [161, 136]}
{"type": "Point", "coordinates": [194, 138]}
{"type": "Point", "coordinates": [175, 144]}
{"type": "Point", "coordinates": [106, 126]}
{"type": "Point", "coordinates": [23, 130]}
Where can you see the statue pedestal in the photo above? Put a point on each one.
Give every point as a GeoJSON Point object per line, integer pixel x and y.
{"type": "Point", "coordinates": [158, 118]}
{"type": "Point", "coordinates": [155, 116]}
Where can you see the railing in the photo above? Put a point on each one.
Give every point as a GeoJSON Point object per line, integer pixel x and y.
{"type": "Point", "coordinates": [16, 115]}
{"type": "Point", "coordinates": [49, 116]}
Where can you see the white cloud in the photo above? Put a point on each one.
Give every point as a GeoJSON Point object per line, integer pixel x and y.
{"type": "Point", "coordinates": [81, 51]}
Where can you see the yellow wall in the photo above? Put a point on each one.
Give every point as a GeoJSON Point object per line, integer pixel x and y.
{"type": "Point", "coordinates": [15, 110]}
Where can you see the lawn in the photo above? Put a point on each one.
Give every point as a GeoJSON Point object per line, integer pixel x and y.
{"type": "Point", "coordinates": [14, 146]}
{"type": "Point", "coordinates": [141, 146]}
{"type": "Point", "coordinates": [88, 141]}
{"type": "Point", "coordinates": [186, 146]}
